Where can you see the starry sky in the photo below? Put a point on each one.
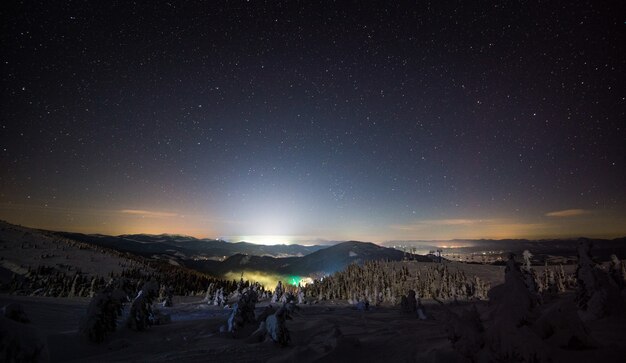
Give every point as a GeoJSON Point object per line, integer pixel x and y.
{"type": "Point", "coordinates": [294, 121]}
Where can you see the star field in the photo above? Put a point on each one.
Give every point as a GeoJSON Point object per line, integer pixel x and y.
{"type": "Point", "coordinates": [302, 121]}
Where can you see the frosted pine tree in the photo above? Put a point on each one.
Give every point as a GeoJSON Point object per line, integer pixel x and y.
{"type": "Point", "coordinates": [465, 331]}
{"type": "Point", "coordinates": [510, 338]}
{"type": "Point", "coordinates": [530, 277]}
{"type": "Point", "coordinates": [141, 315]}
{"type": "Point", "coordinates": [218, 299]}
{"type": "Point", "coordinates": [278, 292]}
{"type": "Point", "coordinates": [616, 271]}
{"type": "Point", "coordinates": [243, 311]}
{"type": "Point", "coordinates": [277, 328]}
{"type": "Point", "coordinates": [597, 294]}
{"type": "Point", "coordinates": [209, 293]}
{"type": "Point", "coordinates": [102, 313]}
{"type": "Point", "coordinates": [560, 279]}
{"type": "Point", "coordinates": [300, 295]}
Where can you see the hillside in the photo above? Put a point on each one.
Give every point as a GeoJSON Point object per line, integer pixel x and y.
{"type": "Point", "coordinates": [43, 263]}
{"type": "Point", "coordinates": [337, 257]}
{"type": "Point", "coordinates": [23, 248]}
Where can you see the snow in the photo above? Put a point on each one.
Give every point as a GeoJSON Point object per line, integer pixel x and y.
{"type": "Point", "coordinates": [332, 331]}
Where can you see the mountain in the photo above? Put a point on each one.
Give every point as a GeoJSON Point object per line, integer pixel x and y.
{"type": "Point", "coordinates": [339, 256]}
{"type": "Point", "coordinates": [186, 247]}
{"type": "Point", "coordinates": [322, 262]}
{"type": "Point", "coordinates": [211, 256]}
{"type": "Point", "coordinates": [541, 249]}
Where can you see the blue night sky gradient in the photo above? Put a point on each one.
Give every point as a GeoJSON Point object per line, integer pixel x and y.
{"type": "Point", "coordinates": [301, 121]}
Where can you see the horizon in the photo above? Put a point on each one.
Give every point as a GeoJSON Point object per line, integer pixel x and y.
{"type": "Point", "coordinates": [299, 240]}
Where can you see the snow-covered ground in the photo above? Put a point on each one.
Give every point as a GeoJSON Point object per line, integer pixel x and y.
{"type": "Point", "coordinates": [22, 247]}
{"type": "Point", "coordinates": [328, 332]}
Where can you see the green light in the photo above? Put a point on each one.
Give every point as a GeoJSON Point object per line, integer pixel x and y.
{"type": "Point", "coordinates": [295, 280]}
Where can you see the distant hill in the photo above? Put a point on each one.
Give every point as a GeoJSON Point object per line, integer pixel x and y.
{"type": "Point", "coordinates": [339, 256]}
{"type": "Point", "coordinates": [186, 247]}
{"type": "Point", "coordinates": [324, 261]}
{"type": "Point", "coordinates": [541, 249]}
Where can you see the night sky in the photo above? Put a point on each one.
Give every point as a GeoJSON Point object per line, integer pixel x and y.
{"type": "Point", "coordinates": [292, 121]}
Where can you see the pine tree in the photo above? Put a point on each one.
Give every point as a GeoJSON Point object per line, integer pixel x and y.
{"type": "Point", "coordinates": [102, 313]}
{"type": "Point", "coordinates": [141, 316]}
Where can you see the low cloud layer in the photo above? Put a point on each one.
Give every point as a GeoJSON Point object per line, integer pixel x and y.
{"type": "Point", "coordinates": [469, 228]}
{"type": "Point", "coordinates": [147, 213]}
{"type": "Point", "coordinates": [567, 213]}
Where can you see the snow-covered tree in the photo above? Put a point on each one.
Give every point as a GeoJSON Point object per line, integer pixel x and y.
{"type": "Point", "coordinates": [278, 292]}
{"type": "Point", "coordinates": [300, 295]}
{"type": "Point", "coordinates": [141, 316]}
{"type": "Point", "coordinates": [533, 283]}
{"type": "Point", "coordinates": [597, 294]}
{"type": "Point", "coordinates": [243, 311]}
{"type": "Point", "coordinates": [208, 297]}
{"type": "Point", "coordinates": [513, 305]}
{"type": "Point", "coordinates": [465, 331]}
{"type": "Point", "coordinates": [521, 329]}
{"type": "Point", "coordinates": [165, 296]}
{"type": "Point", "coordinates": [617, 272]}
{"type": "Point", "coordinates": [218, 299]}
{"type": "Point", "coordinates": [102, 313]}
{"type": "Point", "coordinates": [408, 303]}
{"type": "Point", "coordinates": [277, 328]}
{"type": "Point", "coordinates": [560, 326]}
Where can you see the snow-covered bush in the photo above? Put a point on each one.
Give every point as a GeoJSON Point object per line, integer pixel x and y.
{"type": "Point", "coordinates": [15, 312]}
{"type": "Point", "coordinates": [21, 342]}
{"type": "Point", "coordinates": [560, 326]}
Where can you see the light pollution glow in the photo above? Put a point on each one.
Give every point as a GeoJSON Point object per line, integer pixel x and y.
{"type": "Point", "coordinates": [556, 224]}
{"type": "Point", "coordinates": [267, 279]}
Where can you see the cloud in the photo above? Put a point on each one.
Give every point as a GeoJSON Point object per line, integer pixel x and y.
{"type": "Point", "coordinates": [454, 222]}
{"type": "Point", "coordinates": [418, 225]}
{"type": "Point", "coordinates": [567, 213]}
{"type": "Point", "coordinates": [469, 228]}
{"type": "Point", "coordinates": [147, 213]}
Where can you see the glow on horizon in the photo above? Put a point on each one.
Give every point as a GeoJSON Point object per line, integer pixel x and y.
{"type": "Point", "coordinates": [269, 240]}
{"type": "Point", "coordinates": [571, 223]}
